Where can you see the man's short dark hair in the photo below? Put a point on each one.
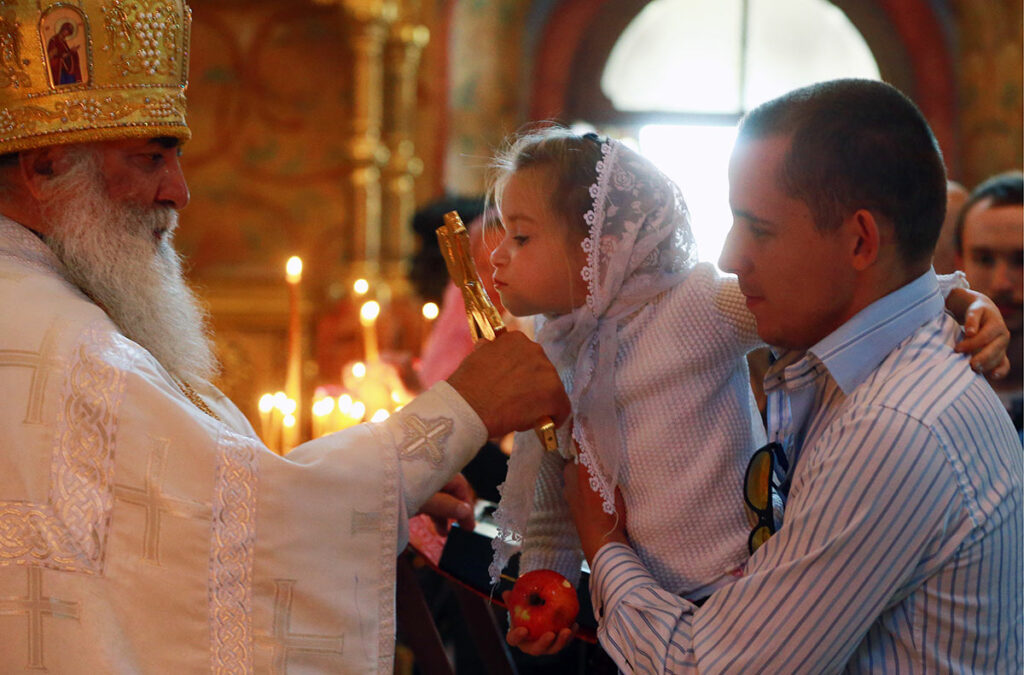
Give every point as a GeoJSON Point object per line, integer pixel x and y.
{"type": "Point", "coordinates": [428, 272]}
{"type": "Point", "coordinates": [859, 144]}
{"type": "Point", "coordinates": [1004, 189]}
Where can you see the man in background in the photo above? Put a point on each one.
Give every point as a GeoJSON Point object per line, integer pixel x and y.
{"type": "Point", "coordinates": [989, 238]}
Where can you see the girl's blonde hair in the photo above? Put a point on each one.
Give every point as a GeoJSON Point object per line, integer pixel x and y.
{"type": "Point", "coordinates": [570, 159]}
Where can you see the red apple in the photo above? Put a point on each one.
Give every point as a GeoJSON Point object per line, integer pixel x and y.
{"type": "Point", "coordinates": [542, 601]}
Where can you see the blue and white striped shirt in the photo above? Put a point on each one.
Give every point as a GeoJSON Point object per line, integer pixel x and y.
{"type": "Point", "coordinates": [901, 545]}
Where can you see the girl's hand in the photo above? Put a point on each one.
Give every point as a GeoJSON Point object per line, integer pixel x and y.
{"type": "Point", "coordinates": [545, 645]}
{"type": "Point", "coordinates": [985, 337]}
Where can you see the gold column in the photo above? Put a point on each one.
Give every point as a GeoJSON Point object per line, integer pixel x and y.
{"type": "Point", "coordinates": [365, 24]}
{"type": "Point", "coordinates": [402, 56]}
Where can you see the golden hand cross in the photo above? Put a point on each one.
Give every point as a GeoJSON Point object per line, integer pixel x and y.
{"type": "Point", "coordinates": [484, 318]}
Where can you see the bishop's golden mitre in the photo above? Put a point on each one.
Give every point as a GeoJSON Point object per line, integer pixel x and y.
{"type": "Point", "coordinates": [75, 71]}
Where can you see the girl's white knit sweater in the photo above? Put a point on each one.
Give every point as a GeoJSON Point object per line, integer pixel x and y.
{"type": "Point", "coordinates": [689, 424]}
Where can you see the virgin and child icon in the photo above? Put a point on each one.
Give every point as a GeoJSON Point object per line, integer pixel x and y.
{"type": "Point", "coordinates": [63, 57]}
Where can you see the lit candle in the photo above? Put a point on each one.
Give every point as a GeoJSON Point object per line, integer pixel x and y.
{"type": "Point", "coordinates": [343, 418]}
{"type": "Point", "coordinates": [345, 404]}
{"type": "Point", "coordinates": [323, 407]}
{"type": "Point", "coordinates": [276, 418]}
{"type": "Point", "coordinates": [368, 317]}
{"type": "Point", "coordinates": [293, 381]}
{"type": "Point", "coordinates": [289, 407]}
{"type": "Point", "coordinates": [430, 312]}
{"type": "Point", "coordinates": [266, 407]}
{"type": "Point", "coordinates": [361, 286]}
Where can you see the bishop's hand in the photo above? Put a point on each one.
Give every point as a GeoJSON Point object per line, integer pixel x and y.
{"type": "Point", "coordinates": [454, 501]}
{"type": "Point", "coordinates": [510, 384]}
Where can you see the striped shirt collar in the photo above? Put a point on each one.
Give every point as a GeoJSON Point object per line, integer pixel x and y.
{"type": "Point", "coordinates": [851, 352]}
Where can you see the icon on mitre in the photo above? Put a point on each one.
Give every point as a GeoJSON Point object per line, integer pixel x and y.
{"type": "Point", "coordinates": [63, 33]}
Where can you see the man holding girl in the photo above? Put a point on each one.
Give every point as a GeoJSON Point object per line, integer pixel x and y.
{"type": "Point", "coordinates": [900, 547]}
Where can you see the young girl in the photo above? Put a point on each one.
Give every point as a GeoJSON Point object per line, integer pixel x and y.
{"type": "Point", "coordinates": [650, 345]}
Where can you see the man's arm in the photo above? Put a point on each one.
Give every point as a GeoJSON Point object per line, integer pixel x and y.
{"type": "Point", "coordinates": [858, 518]}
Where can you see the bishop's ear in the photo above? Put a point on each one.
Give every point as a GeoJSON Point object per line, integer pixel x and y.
{"type": "Point", "coordinates": [41, 164]}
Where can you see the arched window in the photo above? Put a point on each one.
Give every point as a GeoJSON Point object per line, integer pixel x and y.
{"type": "Point", "coordinates": [682, 72]}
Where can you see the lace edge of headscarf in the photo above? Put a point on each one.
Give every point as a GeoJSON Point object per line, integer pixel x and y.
{"type": "Point", "coordinates": [598, 483]}
{"type": "Point", "coordinates": [594, 218]}
{"type": "Point", "coordinates": [516, 501]}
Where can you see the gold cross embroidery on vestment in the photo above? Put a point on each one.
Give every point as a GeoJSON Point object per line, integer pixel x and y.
{"type": "Point", "coordinates": [43, 363]}
{"type": "Point", "coordinates": [152, 498]}
{"type": "Point", "coordinates": [425, 438]}
{"type": "Point", "coordinates": [283, 642]}
{"type": "Point", "coordinates": [35, 606]}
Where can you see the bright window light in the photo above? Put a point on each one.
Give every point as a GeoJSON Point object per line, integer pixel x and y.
{"type": "Point", "coordinates": [690, 55]}
{"type": "Point", "coordinates": [697, 159]}
{"type": "Point", "coordinates": [678, 55]}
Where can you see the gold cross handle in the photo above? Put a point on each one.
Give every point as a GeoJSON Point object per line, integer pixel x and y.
{"type": "Point", "coordinates": [484, 318]}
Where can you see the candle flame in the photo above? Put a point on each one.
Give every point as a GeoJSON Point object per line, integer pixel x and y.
{"type": "Point", "coordinates": [369, 312]}
{"type": "Point", "coordinates": [288, 407]}
{"type": "Point", "coordinates": [358, 410]}
{"type": "Point", "coordinates": [289, 420]}
{"type": "Point", "coordinates": [361, 286]}
{"type": "Point", "coordinates": [345, 403]}
{"type": "Point", "coordinates": [430, 311]}
{"type": "Point", "coordinates": [323, 407]}
{"type": "Point", "coordinates": [380, 415]}
{"type": "Point", "coordinates": [359, 369]}
{"type": "Point", "coordinates": [266, 403]}
{"type": "Point", "coordinates": [293, 269]}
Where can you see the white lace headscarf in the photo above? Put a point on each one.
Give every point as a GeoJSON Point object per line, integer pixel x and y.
{"type": "Point", "coordinates": [638, 245]}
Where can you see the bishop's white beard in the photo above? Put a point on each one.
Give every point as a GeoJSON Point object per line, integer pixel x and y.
{"type": "Point", "coordinates": [110, 252]}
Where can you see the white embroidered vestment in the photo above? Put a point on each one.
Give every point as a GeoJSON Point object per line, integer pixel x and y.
{"type": "Point", "coordinates": [140, 535]}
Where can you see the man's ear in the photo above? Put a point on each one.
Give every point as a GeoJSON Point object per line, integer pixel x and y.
{"type": "Point", "coordinates": [865, 238]}
{"type": "Point", "coordinates": [40, 165]}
